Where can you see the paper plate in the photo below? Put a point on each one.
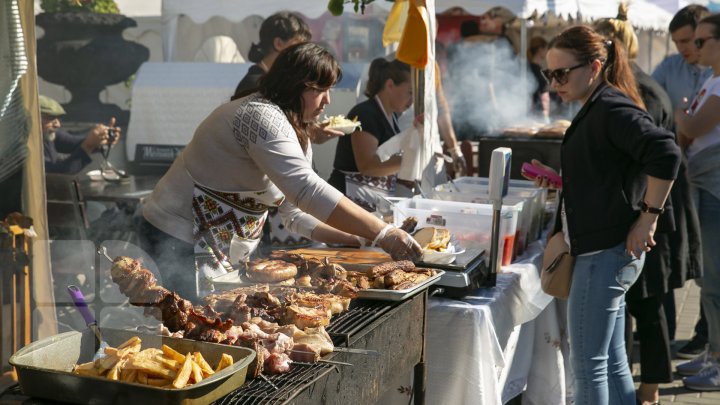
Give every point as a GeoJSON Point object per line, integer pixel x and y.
{"type": "Point", "coordinates": [96, 175]}
{"type": "Point", "coordinates": [346, 129]}
{"type": "Point", "coordinates": [445, 257]}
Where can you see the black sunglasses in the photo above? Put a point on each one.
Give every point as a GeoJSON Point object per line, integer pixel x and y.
{"type": "Point", "coordinates": [699, 42]}
{"type": "Point", "coordinates": [560, 75]}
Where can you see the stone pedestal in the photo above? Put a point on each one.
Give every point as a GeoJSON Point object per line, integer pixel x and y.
{"type": "Point", "coordinates": [85, 52]}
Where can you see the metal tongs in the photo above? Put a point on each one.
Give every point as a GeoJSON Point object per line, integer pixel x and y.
{"type": "Point", "coordinates": [106, 165]}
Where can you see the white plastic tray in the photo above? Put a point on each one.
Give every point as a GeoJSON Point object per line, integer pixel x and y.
{"type": "Point", "coordinates": [399, 295]}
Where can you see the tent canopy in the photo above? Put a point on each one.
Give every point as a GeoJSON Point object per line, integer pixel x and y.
{"type": "Point", "coordinates": [642, 13]}
{"type": "Point", "coordinates": [238, 10]}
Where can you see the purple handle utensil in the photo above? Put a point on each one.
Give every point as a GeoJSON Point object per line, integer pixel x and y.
{"type": "Point", "coordinates": [79, 301]}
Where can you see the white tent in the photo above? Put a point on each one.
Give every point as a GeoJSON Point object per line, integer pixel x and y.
{"type": "Point", "coordinates": [642, 13]}
{"type": "Point", "coordinates": [236, 11]}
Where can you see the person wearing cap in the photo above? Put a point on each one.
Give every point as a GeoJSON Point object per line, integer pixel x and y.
{"type": "Point", "coordinates": [77, 147]}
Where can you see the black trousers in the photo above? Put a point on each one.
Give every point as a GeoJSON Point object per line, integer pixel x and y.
{"type": "Point", "coordinates": [174, 258]}
{"type": "Point", "coordinates": [652, 330]}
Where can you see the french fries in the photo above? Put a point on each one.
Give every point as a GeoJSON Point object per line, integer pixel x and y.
{"type": "Point", "coordinates": [163, 367]}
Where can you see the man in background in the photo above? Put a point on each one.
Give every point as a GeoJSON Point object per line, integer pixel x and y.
{"type": "Point", "coordinates": [76, 148]}
{"type": "Point", "coordinates": [682, 77]}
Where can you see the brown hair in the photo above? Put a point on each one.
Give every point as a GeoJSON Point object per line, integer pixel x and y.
{"type": "Point", "coordinates": [296, 69]}
{"type": "Point", "coordinates": [380, 70]}
{"type": "Point", "coordinates": [536, 44]}
{"type": "Point", "coordinates": [688, 16]}
{"type": "Point", "coordinates": [587, 46]}
{"type": "Point", "coordinates": [714, 20]}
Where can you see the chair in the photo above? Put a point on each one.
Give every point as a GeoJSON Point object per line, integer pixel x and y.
{"type": "Point", "coordinates": [67, 215]}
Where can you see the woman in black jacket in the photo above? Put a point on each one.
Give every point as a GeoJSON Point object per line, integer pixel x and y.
{"type": "Point", "coordinates": [617, 171]}
{"type": "Point", "coordinates": [676, 256]}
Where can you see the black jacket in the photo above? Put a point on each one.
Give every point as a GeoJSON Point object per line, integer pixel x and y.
{"type": "Point", "coordinates": [69, 144]}
{"type": "Point", "coordinates": [605, 156]}
{"type": "Point", "coordinates": [250, 81]}
{"type": "Point", "coordinates": [677, 256]}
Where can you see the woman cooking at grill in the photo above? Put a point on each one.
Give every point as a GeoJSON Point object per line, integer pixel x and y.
{"type": "Point", "coordinates": [358, 171]}
{"type": "Point", "coordinates": [617, 171]}
{"type": "Point", "coordinates": [246, 156]}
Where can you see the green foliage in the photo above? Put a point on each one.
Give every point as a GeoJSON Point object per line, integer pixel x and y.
{"type": "Point", "coordinates": [95, 6]}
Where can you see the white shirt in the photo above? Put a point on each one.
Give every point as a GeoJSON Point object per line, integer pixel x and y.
{"type": "Point", "coordinates": [710, 88]}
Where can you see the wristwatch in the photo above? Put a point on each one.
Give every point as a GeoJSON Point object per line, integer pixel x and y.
{"type": "Point", "coordinates": [650, 210]}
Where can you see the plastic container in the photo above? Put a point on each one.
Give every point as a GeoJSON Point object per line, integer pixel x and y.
{"type": "Point", "coordinates": [478, 185]}
{"type": "Point", "coordinates": [523, 234]}
{"type": "Point", "coordinates": [469, 223]}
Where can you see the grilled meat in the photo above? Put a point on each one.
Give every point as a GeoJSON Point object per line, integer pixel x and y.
{"type": "Point", "coordinates": [334, 303]}
{"type": "Point", "coordinates": [305, 352]}
{"type": "Point", "coordinates": [304, 317]}
{"type": "Point", "coordinates": [385, 268]}
{"type": "Point", "coordinates": [277, 363]}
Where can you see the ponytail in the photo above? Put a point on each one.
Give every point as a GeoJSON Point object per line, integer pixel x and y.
{"type": "Point", "coordinates": [618, 73]}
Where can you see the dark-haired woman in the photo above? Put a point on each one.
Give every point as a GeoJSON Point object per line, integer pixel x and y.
{"type": "Point", "coordinates": [358, 171]}
{"type": "Point", "coordinates": [277, 32]}
{"type": "Point", "coordinates": [699, 133]}
{"type": "Point", "coordinates": [617, 170]}
{"type": "Point", "coordinates": [246, 156]}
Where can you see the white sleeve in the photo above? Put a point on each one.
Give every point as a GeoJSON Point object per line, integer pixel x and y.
{"type": "Point", "coordinates": [297, 221]}
{"type": "Point", "coordinates": [263, 130]}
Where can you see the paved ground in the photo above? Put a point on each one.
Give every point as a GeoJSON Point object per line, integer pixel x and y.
{"type": "Point", "coordinates": [687, 302]}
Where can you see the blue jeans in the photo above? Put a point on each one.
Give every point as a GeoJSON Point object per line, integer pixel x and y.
{"type": "Point", "coordinates": [596, 322]}
{"type": "Point", "coordinates": [708, 208]}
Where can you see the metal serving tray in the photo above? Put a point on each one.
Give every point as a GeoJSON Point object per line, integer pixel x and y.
{"type": "Point", "coordinates": [44, 370]}
{"type": "Point", "coordinates": [399, 295]}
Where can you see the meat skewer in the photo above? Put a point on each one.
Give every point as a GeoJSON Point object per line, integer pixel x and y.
{"type": "Point", "coordinates": [248, 320]}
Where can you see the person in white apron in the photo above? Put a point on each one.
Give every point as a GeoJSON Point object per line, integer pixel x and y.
{"type": "Point", "coordinates": [358, 172]}
{"type": "Point", "coordinates": [205, 215]}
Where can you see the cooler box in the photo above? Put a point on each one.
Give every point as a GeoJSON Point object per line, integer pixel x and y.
{"type": "Point", "coordinates": [469, 224]}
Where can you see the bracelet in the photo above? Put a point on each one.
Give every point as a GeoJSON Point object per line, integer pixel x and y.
{"type": "Point", "coordinates": [381, 235]}
{"type": "Point", "coordinates": [644, 207]}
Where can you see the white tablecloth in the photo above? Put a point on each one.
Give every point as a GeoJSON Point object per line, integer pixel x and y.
{"type": "Point", "coordinates": [496, 343]}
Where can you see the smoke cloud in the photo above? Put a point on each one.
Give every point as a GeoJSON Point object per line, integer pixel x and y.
{"type": "Point", "coordinates": [486, 90]}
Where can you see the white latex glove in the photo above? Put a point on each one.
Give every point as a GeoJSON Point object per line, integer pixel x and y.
{"type": "Point", "coordinates": [399, 244]}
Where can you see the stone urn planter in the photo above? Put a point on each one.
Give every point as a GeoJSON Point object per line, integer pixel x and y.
{"type": "Point", "coordinates": [85, 52]}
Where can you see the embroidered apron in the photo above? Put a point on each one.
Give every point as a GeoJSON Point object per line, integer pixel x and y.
{"type": "Point", "coordinates": [227, 226]}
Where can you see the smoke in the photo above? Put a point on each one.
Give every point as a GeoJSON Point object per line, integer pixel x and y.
{"type": "Point", "coordinates": [486, 91]}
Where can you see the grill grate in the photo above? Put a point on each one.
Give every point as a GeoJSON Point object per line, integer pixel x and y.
{"type": "Point", "coordinates": [360, 314]}
{"type": "Point", "coordinates": [260, 391]}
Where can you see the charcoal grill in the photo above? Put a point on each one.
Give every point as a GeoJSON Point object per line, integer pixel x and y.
{"type": "Point", "coordinates": [395, 329]}
{"type": "Point", "coordinates": [375, 325]}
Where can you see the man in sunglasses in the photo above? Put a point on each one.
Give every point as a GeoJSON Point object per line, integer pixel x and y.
{"type": "Point", "coordinates": [680, 74]}
{"type": "Point", "coordinates": [682, 77]}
